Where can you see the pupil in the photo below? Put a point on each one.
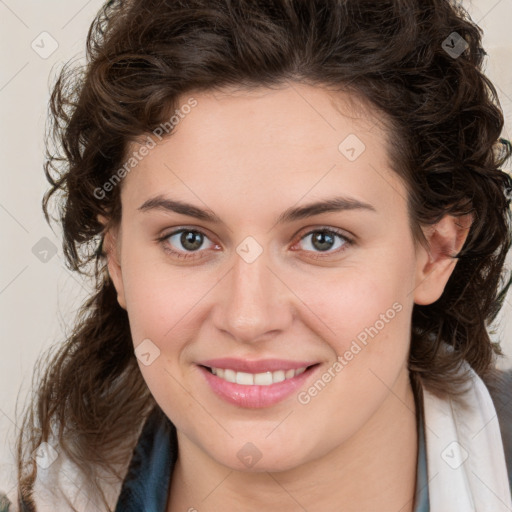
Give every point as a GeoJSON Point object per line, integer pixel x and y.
{"type": "Point", "coordinates": [191, 237]}
{"type": "Point", "coordinates": [321, 237]}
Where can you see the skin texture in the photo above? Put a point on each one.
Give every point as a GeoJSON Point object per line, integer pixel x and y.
{"type": "Point", "coordinates": [247, 157]}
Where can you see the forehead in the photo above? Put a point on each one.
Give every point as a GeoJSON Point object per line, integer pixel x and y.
{"type": "Point", "coordinates": [263, 145]}
{"type": "Point", "coordinates": [286, 118]}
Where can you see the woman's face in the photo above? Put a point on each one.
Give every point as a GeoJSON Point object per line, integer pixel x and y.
{"type": "Point", "coordinates": [263, 284]}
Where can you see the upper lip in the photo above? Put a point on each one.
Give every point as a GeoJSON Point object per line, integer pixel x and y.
{"type": "Point", "coordinates": [259, 366]}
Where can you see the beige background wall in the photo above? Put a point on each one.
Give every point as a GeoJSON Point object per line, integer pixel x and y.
{"type": "Point", "coordinates": [38, 295]}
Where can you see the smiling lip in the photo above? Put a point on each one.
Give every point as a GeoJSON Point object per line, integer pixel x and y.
{"type": "Point", "coordinates": [260, 366]}
{"type": "Point", "coordinates": [252, 395]}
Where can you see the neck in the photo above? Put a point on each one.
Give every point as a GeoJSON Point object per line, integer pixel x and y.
{"type": "Point", "coordinates": [374, 470]}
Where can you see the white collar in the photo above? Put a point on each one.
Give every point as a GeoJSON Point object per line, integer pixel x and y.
{"type": "Point", "coordinates": [466, 465]}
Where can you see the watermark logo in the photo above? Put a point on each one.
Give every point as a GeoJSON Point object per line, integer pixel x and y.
{"type": "Point", "coordinates": [147, 352]}
{"type": "Point", "coordinates": [45, 455]}
{"type": "Point", "coordinates": [249, 249]}
{"type": "Point", "coordinates": [352, 147]}
{"type": "Point", "coordinates": [44, 45]}
{"type": "Point", "coordinates": [249, 454]}
{"type": "Point", "coordinates": [44, 250]}
{"type": "Point", "coordinates": [454, 455]}
{"type": "Point", "coordinates": [455, 45]}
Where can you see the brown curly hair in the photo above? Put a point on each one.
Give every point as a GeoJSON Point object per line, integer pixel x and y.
{"type": "Point", "coordinates": [142, 56]}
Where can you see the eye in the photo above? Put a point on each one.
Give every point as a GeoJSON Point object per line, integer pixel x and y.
{"type": "Point", "coordinates": [190, 240]}
{"type": "Point", "coordinates": [323, 240]}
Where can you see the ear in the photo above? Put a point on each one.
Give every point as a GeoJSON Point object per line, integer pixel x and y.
{"type": "Point", "coordinates": [436, 263]}
{"type": "Point", "coordinates": [112, 249]}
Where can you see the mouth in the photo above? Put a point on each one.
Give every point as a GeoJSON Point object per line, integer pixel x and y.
{"type": "Point", "coordinates": [257, 389]}
{"type": "Point", "coordinates": [257, 379]}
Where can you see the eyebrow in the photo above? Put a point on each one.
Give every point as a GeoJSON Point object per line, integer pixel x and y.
{"type": "Point", "coordinates": [334, 204]}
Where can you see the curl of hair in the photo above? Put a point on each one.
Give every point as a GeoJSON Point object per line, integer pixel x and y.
{"type": "Point", "coordinates": [144, 56]}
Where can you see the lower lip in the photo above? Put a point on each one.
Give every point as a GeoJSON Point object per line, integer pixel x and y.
{"type": "Point", "coordinates": [253, 396]}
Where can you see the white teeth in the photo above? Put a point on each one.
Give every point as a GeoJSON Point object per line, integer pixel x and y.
{"type": "Point", "coordinates": [263, 379]}
{"type": "Point", "coordinates": [259, 379]}
{"type": "Point", "coordinates": [230, 375]}
{"type": "Point", "coordinates": [244, 378]}
{"type": "Point", "coordinates": [278, 376]}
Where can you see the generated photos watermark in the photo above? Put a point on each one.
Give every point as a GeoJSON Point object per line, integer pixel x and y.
{"type": "Point", "coordinates": [304, 397]}
{"type": "Point", "coordinates": [144, 149]}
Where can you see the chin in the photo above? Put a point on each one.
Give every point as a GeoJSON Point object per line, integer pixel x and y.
{"type": "Point", "coordinates": [250, 459]}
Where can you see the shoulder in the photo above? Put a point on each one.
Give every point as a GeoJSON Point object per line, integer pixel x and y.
{"type": "Point", "coordinates": [61, 487]}
{"type": "Point", "coordinates": [499, 385]}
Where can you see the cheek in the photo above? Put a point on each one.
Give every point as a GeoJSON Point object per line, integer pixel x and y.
{"type": "Point", "coordinates": [367, 301]}
{"type": "Point", "coordinates": [159, 297]}
{"type": "Point", "coordinates": [366, 318]}
{"type": "Point", "coordinates": [161, 315]}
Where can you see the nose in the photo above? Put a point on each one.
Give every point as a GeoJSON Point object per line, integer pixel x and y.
{"type": "Point", "coordinates": [254, 302]}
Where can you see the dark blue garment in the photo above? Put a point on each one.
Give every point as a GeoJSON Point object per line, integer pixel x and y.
{"type": "Point", "coordinates": [422, 502]}
{"type": "Point", "coordinates": [146, 485]}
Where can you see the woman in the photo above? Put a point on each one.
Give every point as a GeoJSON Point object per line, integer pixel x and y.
{"type": "Point", "coordinates": [321, 344]}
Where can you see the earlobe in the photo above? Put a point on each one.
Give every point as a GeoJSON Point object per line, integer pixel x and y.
{"type": "Point", "coordinates": [436, 263]}
{"type": "Point", "coordinates": [111, 248]}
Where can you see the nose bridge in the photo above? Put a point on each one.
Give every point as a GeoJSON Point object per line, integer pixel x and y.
{"type": "Point", "coordinates": [253, 303]}
{"type": "Point", "coordinates": [251, 273]}
{"type": "Point", "coordinates": [251, 287]}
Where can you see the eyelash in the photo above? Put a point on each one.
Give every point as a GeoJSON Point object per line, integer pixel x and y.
{"type": "Point", "coordinates": [348, 242]}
